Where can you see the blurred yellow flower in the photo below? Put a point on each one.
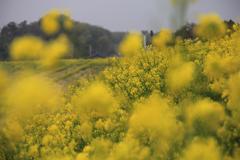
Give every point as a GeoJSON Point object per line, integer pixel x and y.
{"type": "Point", "coordinates": [13, 130]}
{"type": "Point", "coordinates": [234, 92]}
{"type": "Point", "coordinates": [54, 50]}
{"type": "Point", "coordinates": [216, 66]}
{"type": "Point", "coordinates": [129, 149]}
{"type": "Point", "coordinates": [26, 47]}
{"type": "Point", "coordinates": [95, 101]}
{"type": "Point", "coordinates": [47, 139]}
{"type": "Point", "coordinates": [210, 26]}
{"type": "Point", "coordinates": [157, 120]}
{"type": "Point", "coordinates": [131, 44]}
{"type": "Point", "coordinates": [33, 151]}
{"type": "Point", "coordinates": [205, 115]}
{"type": "Point", "coordinates": [100, 149]}
{"type": "Point", "coordinates": [82, 156]}
{"type": "Point", "coordinates": [32, 93]}
{"type": "Point", "coordinates": [162, 38]}
{"type": "Point", "coordinates": [31, 47]}
{"type": "Point", "coordinates": [86, 130]}
{"type": "Point", "coordinates": [67, 22]}
{"type": "Point", "coordinates": [50, 22]}
{"type": "Point", "coordinates": [180, 76]}
{"type": "Point", "coordinates": [201, 149]}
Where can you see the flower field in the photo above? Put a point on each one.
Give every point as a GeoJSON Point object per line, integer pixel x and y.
{"type": "Point", "coordinates": [176, 99]}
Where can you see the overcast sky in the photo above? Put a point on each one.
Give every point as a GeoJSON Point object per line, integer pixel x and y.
{"type": "Point", "coordinates": [116, 15]}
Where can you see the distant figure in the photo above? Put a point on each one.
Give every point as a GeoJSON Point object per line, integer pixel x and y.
{"type": "Point", "coordinates": [151, 33]}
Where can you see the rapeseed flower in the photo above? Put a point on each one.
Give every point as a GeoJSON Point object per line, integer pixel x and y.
{"type": "Point", "coordinates": [54, 50]}
{"type": "Point", "coordinates": [233, 90]}
{"type": "Point", "coordinates": [155, 119]}
{"type": "Point", "coordinates": [210, 26]}
{"type": "Point", "coordinates": [205, 115]}
{"type": "Point", "coordinates": [96, 100]}
{"type": "Point", "coordinates": [129, 149]}
{"type": "Point", "coordinates": [180, 76]}
{"type": "Point", "coordinates": [67, 22]}
{"type": "Point", "coordinates": [50, 22]}
{"type": "Point", "coordinates": [201, 149]}
{"type": "Point", "coordinates": [216, 66]}
{"type": "Point", "coordinates": [14, 130]}
{"type": "Point", "coordinates": [131, 44]}
{"type": "Point", "coordinates": [26, 47]}
{"type": "Point", "coordinates": [32, 93]}
{"type": "Point", "coordinates": [100, 149]}
{"type": "Point", "coordinates": [82, 156]}
{"type": "Point", "coordinates": [162, 38]}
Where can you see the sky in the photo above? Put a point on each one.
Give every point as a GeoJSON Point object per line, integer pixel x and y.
{"type": "Point", "coordinates": [115, 15]}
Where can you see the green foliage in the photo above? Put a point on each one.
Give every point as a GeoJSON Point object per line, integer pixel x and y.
{"type": "Point", "coordinates": [103, 43]}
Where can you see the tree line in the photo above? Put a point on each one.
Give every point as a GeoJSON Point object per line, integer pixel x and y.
{"type": "Point", "coordinates": [87, 40]}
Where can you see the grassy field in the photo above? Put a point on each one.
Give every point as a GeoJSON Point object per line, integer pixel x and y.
{"type": "Point", "coordinates": [65, 72]}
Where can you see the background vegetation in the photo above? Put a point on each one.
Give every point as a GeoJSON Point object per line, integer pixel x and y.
{"type": "Point", "coordinates": [103, 43]}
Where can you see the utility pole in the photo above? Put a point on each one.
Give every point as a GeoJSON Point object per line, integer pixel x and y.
{"type": "Point", "coordinates": [144, 33]}
{"type": "Point", "coordinates": [90, 50]}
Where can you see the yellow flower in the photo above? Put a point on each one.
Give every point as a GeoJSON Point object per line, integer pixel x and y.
{"type": "Point", "coordinates": [31, 47]}
{"type": "Point", "coordinates": [13, 130]}
{"type": "Point", "coordinates": [156, 119]}
{"type": "Point", "coordinates": [180, 76]}
{"type": "Point", "coordinates": [26, 47]}
{"type": "Point", "coordinates": [100, 149]}
{"type": "Point", "coordinates": [50, 22]}
{"type": "Point", "coordinates": [131, 44]}
{"type": "Point", "coordinates": [29, 94]}
{"type": "Point", "coordinates": [215, 65]}
{"type": "Point", "coordinates": [54, 50]}
{"type": "Point", "coordinates": [218, 85]}
{"type": "Point", "coordinates": [68, 23]}
{"type": "Point", "coordinates": [202, 150]}
{"type": "Point", "coordinates": [82, 156]}
{"type": "Point", "coordinates": [205, 115]}
{"type": "Point", "coordinates": [162, 38]}
{"type": "Point", "coordinates": [210, 26]}
{"type": "Point", "coordinates": [33, 151]}
{"type": "Point", "coordinates": [95, 101]}
{"type": "Point", "coordinates": [129, 149]}
{"type": "Point", "coordinates": [53, 129]}
{"type": "Point", "coordinates": [86, 130]}
{"type": "Point", "coordinates": [59, 156]}
{"type": "Point", "coordinates": [47, 139]}
{"type": "Point", "coordinates": [234, 92]}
